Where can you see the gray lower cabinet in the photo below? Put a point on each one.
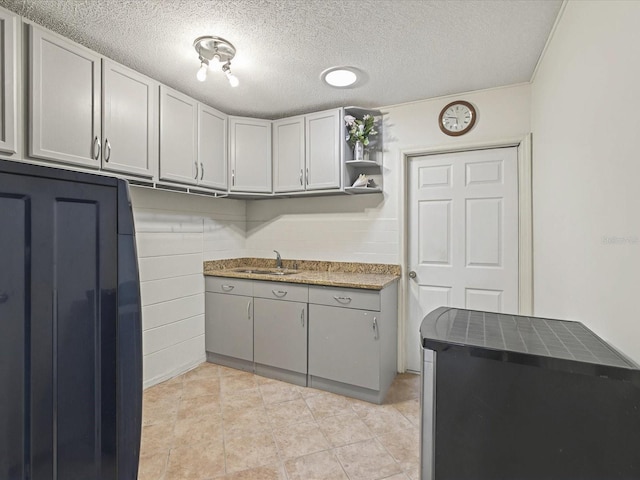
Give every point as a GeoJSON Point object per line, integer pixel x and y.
{"type": "Point", "coordinates": [353, 340]}
{"type": "Point", "coordinates": [343, 340]}
{"type": "Point", "coordinates": [280, 339]}
{"type": "Point", "coordinates": [229, 322]}
{"type": "Point", "coordinates": [344, 346]}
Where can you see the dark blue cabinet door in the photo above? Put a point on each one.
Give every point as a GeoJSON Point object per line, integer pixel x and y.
{"type": "Point", "coordinates": [68, 326]}
{"type": "Point", "coordinates": [14, 274]}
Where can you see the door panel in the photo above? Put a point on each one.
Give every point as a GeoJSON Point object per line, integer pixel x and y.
{"type": "Point", "coordinates": [212, 147]}
{"type": "Point", "coordinates": [288, 155]}
{"type": "Point", "coordinates": [280, 333]}
{"type": "Point", "coordinates": [14, 274]}
{"type": "Point", "coordinates": [463, 235]}
{"type": "Point", "coordinates": [178, 137]}
{"type": "Point", "coordinates": [130, 122]}
{"type": "Point", "coordinates": [70, 284]}
{"type": "Point", "coordinates": [229, 325]}
{"type": "Point", "coordinates": [8, 83]}
{"type": "Point", "coordinates": [343, 346]}
{"type": "Point", "coordinates": [250, 155]}
{"type": "Point", "coordinates": [65, 100]}
{"type": "Point", "coordinates": [323, 132]}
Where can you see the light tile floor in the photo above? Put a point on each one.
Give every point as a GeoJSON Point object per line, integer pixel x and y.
{"type": "Point", "coordinates": [215, 422]}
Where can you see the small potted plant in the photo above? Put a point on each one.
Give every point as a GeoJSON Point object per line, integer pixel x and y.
{"type": "Point", "coordinates": [359, 133]}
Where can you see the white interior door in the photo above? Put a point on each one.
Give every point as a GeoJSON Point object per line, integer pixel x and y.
{"type": "Point", "coordinates": [463, 235]}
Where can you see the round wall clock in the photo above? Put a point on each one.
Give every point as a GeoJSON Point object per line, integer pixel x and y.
{"type": "Point", "coordinates": [457, 118]}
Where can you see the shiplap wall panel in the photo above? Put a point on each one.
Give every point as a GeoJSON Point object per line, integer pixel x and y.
{"type": "Point", "coordinates": [160, 291]}
{"type": "Point", "coordinates": [172, 361]}
{"type": "Point", "coordinates": [160, 338]}
{"type": "Point", "coordinates": [156, 268]}
{"type": "Point", "coordinates": [175, 233]}
{"type": "Point", "coordinates": [172, 310]}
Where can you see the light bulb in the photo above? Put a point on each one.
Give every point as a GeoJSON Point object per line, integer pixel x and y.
{"type": "Point", "coordinates": [202, 72]}
{"type": "Point", "coordinates": [233, 80]}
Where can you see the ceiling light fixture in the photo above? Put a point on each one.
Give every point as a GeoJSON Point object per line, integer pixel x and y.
{"type": "Point", "coordinates": [340, 77]}
{"type": "Point", "coordinates": [211, 48]}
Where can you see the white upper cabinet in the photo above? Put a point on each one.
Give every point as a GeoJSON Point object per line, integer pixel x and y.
{"type": "Point", "coordinates": [323, 141]}
{"type": "Point", "coordinates": [64, 120]}
{"type": "Point", "coordinates": [129, 121]}
{"type": "Point", "coordinates": [212, 148]}
{"type": "Point", "coordinates": [288, 155]}
{"type": "Point", "coordinates": [8, 82]}
{"type": "Point", "coordinates": [250, 155]}
{"type": "Point", "coordinates": [178, 137]}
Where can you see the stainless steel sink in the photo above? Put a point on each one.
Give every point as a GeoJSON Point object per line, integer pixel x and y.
{"type": "Point", "coordinates": [261, 271]}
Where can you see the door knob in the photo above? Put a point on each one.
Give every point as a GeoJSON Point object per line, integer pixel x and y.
{"type": "Point", "coordinates": [412, 274]}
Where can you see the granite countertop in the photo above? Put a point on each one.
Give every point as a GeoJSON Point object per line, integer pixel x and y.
{"type": "Point", "coordinates": [371, 276]}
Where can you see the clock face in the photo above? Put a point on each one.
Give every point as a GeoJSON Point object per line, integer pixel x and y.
{"type": "Point", "coordinates": [457, 118]}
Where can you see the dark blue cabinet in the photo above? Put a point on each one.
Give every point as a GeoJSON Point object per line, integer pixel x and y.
{"type": "Point", "coordinates": [70, 354]}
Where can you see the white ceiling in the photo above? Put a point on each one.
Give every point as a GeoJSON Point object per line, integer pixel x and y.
{"type": "Point", "coordinates": [409, 49]}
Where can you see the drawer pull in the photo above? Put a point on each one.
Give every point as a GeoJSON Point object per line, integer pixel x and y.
{"type": "Point", "coordinates": [343, 300]}
{"type": "Point", "coordinates": [375, 328]}
{"type": "Point", "coordinates": [227, 288]}
{"type": "Point", "coordinates": [279, 293]}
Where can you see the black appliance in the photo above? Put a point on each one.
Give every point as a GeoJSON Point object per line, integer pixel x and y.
{"type": "Point", "coordinates": [508, 397]}
{"type": "Point", "coordinates": [70, 327]}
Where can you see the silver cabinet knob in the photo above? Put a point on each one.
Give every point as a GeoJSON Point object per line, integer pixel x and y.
{"type": "Point", "coordinates": [412, 274]}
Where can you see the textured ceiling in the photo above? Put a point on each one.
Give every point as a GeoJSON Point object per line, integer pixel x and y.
{"type": "Point", "coordinates": [409, 49]}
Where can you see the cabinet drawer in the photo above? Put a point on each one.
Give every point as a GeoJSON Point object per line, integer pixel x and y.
{"type": "Point", "coordinates": [232, 286]}
{"type": "Point", "coordinates": [281, 291]}
{"type": "Point", "coordinates": [345, 297]}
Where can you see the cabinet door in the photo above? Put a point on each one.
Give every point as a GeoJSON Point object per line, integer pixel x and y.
{"type": "Point", "coordinates": [323, 150]}
{"type": "Point", "coordinates": [8, 82]}
{"type": "Point", "coordinates": [178, 137]}
{"type": "Point", "coordinates": [250, 154]}
{"type": "Point", "coordinates": [344, 345]}
{"type": "Point", "coordinates": [65, 272]}
{"type": "Point", "coordinates": [129, 122]}
{"type": "Point", "coordinates": [64, 115]}
{"type": "Point", "coordinates": [212, 147]}
{"type": "Point", "coordinates": [229, 325]}
{"type": "Point", "coordinates": [288, 155]}
{"type": "Point", "coordinates": [280, 334]}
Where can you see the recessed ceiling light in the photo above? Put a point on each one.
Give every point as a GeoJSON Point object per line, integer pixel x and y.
{"type": "Point", "coordinates": [340, 77]}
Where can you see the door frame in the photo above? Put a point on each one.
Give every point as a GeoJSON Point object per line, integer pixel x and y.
{"type": "Point", "coordinates": [525, 223]}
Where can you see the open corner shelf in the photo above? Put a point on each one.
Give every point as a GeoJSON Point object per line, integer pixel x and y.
{"type": "Point", "coordinates": [361, 190]}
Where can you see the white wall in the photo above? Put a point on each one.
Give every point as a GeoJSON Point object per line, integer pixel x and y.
{"type": "Point", "coordinates": [368, 228]}
{"type": "Point", "coordinates": [585, 122]}
{"type": "Point", "coordinates": [175, 233]}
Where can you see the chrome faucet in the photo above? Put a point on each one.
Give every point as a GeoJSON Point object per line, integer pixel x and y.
{"type": "Point", "coordinates": [278, 259]}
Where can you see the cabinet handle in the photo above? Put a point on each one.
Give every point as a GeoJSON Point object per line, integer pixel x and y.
{"type": "Point", "coordinates": [107, 150]}
{"type": "Point", "coordinates": [307, 177]}
{"type": "Point", "coordinates": [233, 178]}
{"type": "Point", "coordinates": [279, 293]}
{"type": "Point", "coordinates": [249, 310]}
{"type": "Point", "coordinates": [201, 171]}
{"type": "Point", "coordinates": [300, 177]}
{"type": "Point", "coordinates": [96, 148]}
{"type": "Point", "coordinates": [227, 288]}
{"type": "Point", "coordinates": [302, 317]}
{"type": "Point", "coordinates": [344, 300]}
{"type": "Point", "coordinates": [375, 328]}
{"type": "Point", "coordinates": [196, 177]}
